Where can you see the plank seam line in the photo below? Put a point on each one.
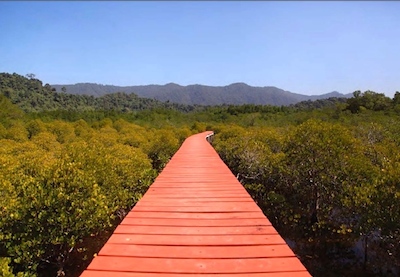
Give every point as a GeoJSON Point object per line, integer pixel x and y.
{"type": "Point", "coordinates": [192, 220]}
{"type": "Point", "coordinates": [215, 235]}
{"type": "Point", "coordinates": [206, 235]}
{"type": "Point", "coordinates": [197, 245]}
{"type": "Point", "coordinates": [203, 273]}
{"type": "Point", "coordinates": [197, 219]}
{"type": "Point", "coordinates": [191, 226]}
{"type": "Point", "coordinates": [198, 258]}
{"type": "Point", "coordinates": [195, 212]}
{"type": "Point", "coordinates": [205, 201]}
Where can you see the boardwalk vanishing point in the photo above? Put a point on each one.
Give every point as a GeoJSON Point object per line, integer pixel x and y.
{"type": "Point", "coordinates": [196, 219]}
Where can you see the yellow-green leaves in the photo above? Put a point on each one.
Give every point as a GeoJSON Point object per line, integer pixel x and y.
{"type": "Point", "coordinates": [61, 182]}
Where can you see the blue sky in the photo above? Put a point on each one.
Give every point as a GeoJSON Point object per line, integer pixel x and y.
{"type": "Point", "coordinates": [305, 47]}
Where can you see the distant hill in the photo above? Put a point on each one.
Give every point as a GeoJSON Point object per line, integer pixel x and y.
{"type": "Point", "coordinates": [235, 94]}
{"type": "Point", "coordinates": [30, 95]}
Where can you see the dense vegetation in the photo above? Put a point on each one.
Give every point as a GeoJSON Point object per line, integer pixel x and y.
{"type": "Point", "coordinates": [326, 174]}
{"type": "Point", "coordinates": [31, 96]}
{"type": "Point", "coordinates": [63, 182]}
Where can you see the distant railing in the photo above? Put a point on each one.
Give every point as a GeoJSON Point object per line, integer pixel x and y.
{"type": "Point", "coordinates": [210, 137]}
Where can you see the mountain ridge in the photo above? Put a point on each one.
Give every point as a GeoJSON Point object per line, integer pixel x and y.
{"type": "Point", "coordinates": [235, 94]}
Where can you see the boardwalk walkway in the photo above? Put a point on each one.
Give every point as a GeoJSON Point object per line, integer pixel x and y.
{"type": "Point", "coordinates": [196, 219]}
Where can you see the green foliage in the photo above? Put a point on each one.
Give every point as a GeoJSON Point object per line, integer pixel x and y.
{"type": "Point", "coordinates": [62, 182]}
{"type": "Point", "coordinates": [326, 173]}
{"type": "Point", "coordinates": [319, 104]}
{"type": "Point", "coordinates": [199, 127]}
{"type": "Point", "coordinates": [30, 95]}
{"type": "Point", "coordinates": [248, 153]}
{"type": "Point", "coordinates": [324, 165]}
{"type": "Point", "coordinates": [3, 131]}
{"type": "Point", "coordinates": [162, 147]}
{"type": "Point", "coordinates": [6, 270]}
{"type": "Point", "coordinates": [34, 127]}
{"type": "Point", "coordinates": [17, 131]}
{"type": "Point", "coordinates": [369, 100]}
{"type": "Point", "coordinates": [8, 111]}
{"type": "Point", "coordinates": [324, 185]}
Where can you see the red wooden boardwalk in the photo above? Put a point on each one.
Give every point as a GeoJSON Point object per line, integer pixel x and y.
{"type": "Point", "coordinates": [196, 219]}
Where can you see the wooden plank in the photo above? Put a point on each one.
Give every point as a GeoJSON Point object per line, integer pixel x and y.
{"type": "Point", "coordinates": [157, 198]}
{"type": "Point", "coordinates": [227, 266]}
{"type": "Point", "coordinates": [198, 194]}
{"type": "Point", "coordinates": [203, 188]}
{"type": "Point", "coordinates": [226, 205]}
{"type": "Point", "coordinates": [183, 193]}
{"type": "Point", "coordinates": [195, 172]}
{"type": "Point", "coordinates": [193, 179]}
{"type": "Point", "coordinates": [209, 192]}
{"type": "Point", "coordinates": [210, 169]}
{"type": "Point", "coordinates": [180, 230]}
{"type": "Point", "coordinates": [196, 239]}
{"type": "Point", "coordinates": [97, 273]}
{"type": "Point", "coordinates": [196, 222]}
{"type": "Point", "coordinates": [195, 203]}
{"type": "Point", "coordinates": [191, 185]}
{"type": "Point", "coordinates": [207, 252]}
{"type": "Point", "coordinates": [199, 215]}
{"type": "Point", "coordinates": [196, 209]}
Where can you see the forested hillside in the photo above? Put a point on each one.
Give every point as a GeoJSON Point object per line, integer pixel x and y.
{"type": "Point", "coordinates": [326, 173]}
{"type": "Point", "coordinates": [30, 95]}
{"type": "Point", "coordinates": [233, 94]}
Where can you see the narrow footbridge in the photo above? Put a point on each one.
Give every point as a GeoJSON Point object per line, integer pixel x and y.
{"type": "Point", "coordinates": [196, 219]}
